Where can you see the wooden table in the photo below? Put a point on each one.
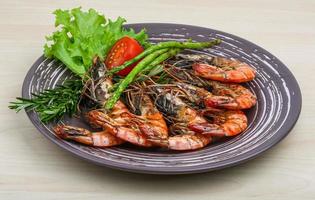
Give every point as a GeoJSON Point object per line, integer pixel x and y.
{"type": "Point", "coordinates": [31, 167]}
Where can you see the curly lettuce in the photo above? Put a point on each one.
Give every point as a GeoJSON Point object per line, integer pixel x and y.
{"type": "Point", "coordinates": [83, 35]}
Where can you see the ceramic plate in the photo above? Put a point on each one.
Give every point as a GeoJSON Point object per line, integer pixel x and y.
{"type": "Point", "coordinates": [277, 110]}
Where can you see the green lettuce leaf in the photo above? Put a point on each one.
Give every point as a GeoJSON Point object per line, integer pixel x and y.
{"type": "Point", "coordinates": [81, 36]}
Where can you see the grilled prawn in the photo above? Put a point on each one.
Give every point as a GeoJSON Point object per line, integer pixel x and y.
{"type": "Point", "coordinates": [120, 123]}
{"type": "Point", "coordinates": [183, 117]}
{"type": "Point", "coordinates": [81, 135]}
{"type": "Point", "coordinates": [221, 95]}
{"type": "Point", "coordinates": [233, 97]}
{"type": "Point", "coordinates": [225, 123]}
{"type": "Point", "coordinates": [152, 124]}
{"type": "Point", "coordinates": [221, 69]}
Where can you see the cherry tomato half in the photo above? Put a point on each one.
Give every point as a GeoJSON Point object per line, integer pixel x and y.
{"type": "Point", "coordinates": [123, 50]}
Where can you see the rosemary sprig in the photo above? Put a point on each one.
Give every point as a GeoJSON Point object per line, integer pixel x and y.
{"type": "Point", "coordinates": [52, 104]}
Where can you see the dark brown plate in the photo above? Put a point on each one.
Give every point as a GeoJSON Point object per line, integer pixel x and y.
{"type": "Point", "coordinates": [277, 110]}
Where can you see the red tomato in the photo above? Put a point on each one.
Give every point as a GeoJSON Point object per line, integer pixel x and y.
{"type": "Point", "coordinates": [123, 50]}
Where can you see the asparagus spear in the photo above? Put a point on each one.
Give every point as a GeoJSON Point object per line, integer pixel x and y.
{"type": "Point", "coordinates": [153, 59]}
{"type": "Point", "coordinates": [162, 45]}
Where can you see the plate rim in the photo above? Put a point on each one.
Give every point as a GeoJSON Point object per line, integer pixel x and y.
{"type": "Point", "coordinates": [259, 150]}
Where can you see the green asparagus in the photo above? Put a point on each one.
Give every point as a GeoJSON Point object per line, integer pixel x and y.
{"type": "Point", "coordinates": [154, 58]}
{"type": "Point", "coordinates": [162, 45]}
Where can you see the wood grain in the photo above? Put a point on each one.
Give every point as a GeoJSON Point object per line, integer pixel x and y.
{"type": "Point", "coordinates": [31, 167]}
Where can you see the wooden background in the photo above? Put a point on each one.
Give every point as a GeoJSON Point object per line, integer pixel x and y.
{"type": "Point", "coordinates": [31, 167]}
